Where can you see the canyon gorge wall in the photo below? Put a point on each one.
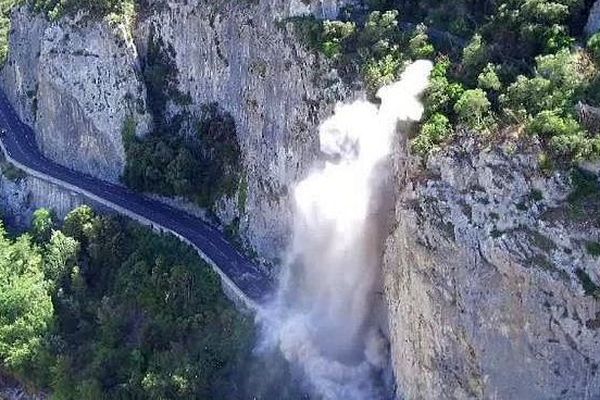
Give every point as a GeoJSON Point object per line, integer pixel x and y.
{"type": "Point", "coordinates": [484, 279]}
{"type": "Point", "coordinates": [78, 80]}
{"type": "Point", "coordinates": [483, 270]}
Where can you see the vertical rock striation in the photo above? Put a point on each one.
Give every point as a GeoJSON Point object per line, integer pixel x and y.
{"type": "Point", "coordinates": [483, 281]}
{"type": "Point", "coordinates": [20, 198]}
{"type": "Point", "coordinates": [76, 82]}
{"type": "Point", "coordinates": [248, 59]}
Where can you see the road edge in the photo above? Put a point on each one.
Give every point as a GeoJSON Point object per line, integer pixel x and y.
{"type": "Point", "coordinates": [243, 303]}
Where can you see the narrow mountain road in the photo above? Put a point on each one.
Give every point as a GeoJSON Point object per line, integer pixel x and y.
{"type": "Point", "coordinates": [239, 274]}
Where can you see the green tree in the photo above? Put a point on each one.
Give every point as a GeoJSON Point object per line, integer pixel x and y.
{"type": "Point", "coordinates": [548, 124]}
{"type": "Point", "coordinates": [441, 95]}
{"type": "Point", "coordinates": [60, 257]}
{"type": "Point", "coordinates": [79, 223]}
{"type": "Point", "coordinates": [529, 96]}
{"type": "Point", "coordinates": [380, 30]}
{"type": "Point", "coordinates": [488, 79]}
{"type": "Point", "coordinates": [26, 311]}
{"type": "Point", "coordinates": [475, 56]}
{"type": "Point", "coordinates": [593, 47]}
{"type": "Point", "coordinates": [419, 46]}
{"type": "Point", "coordinates": [335, 33]}
{"type": "Point", "coordinates": [381, 72]}
{"type": "Point", "coordinates": [473, 109]}
{"type": "Point", "coordinates": [42, 224]}
{"type": "Point", "coordinates": [433, 132]}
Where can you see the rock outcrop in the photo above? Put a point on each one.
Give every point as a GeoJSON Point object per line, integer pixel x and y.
{"type": "Point", "coordinates": [484, 279]}
{"type": "Point", "coordinates": [20, 197]}
{"type": "Point", "coordinates": [248, 59]}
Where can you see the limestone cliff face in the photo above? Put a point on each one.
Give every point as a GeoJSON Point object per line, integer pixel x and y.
{"type": "Point", "coordinates": [76, 81]}
{"type": "Point", "coordinates": [593, 23]}
{"type": "Point", "coordinates": [483, 269]}
{"type": "Point", "coordinates": [246, 58]}
{"type": "Point", "coordinates": [481, 281]}
{"type": "Point", "coordinates": [86, 80]}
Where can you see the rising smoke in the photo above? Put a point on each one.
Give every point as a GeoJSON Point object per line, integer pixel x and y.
{"type": "Point", "coordinates": [323, 319]}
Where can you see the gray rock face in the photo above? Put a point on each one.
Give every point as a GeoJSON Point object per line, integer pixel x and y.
{"type": "Point", "coordinates": [243, 55]}
{"type": "Point", "coordinates": [326, 9]}
{"type": "Point", "coordinates": [19, 199]}
{"type": "Point", "coordinates": [593, 23]}
{"type": "Point", "coordinates": [19, 76]}
{"type": "Point", "coordinates": [481, 283]}
{"type": "Point", "coordinates": [76, 83]}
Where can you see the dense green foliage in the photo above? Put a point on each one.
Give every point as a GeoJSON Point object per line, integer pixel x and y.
{"type": "Point", "coordinates": [194, 157]}
{"type": "Point", "coordinates": [201, 167]}
{"type": "Point", "coordinates": [26, 310]}
{"type": "Point", "coordinates": [104, 308]}
{"type": "Point", "coordinates": [499, 64]}
{"type": "Point", "coordinates": [5, 8]}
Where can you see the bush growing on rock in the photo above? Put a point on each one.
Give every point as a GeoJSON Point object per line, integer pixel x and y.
{"type": "Point", "coordinates": [473, 109]}
{"type": "Point", "coordinates": [593, 47]}
{"type": "Point", "coordinates": [201, 168]}
{"type": "Point", "coordinates": [433, 132]}
{"type": "Point", "coordinates": [488, 79]}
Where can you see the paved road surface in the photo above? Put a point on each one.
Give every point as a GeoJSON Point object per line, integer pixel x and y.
{"type": "Point", "coordinates": [19, 142]}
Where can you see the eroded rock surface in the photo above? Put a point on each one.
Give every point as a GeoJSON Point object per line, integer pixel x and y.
{"type": "Point", "coordinates": [483, 279]}
{"type": "Point", "coordinates": [76, 82]}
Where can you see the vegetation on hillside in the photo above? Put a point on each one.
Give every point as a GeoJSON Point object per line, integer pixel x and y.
{"type": "Point", "coordinates": [194, 157]}
{"type": "Point", "coordinates": [522, 64]}
{"type": "Point", "coordinates": [104, 308]}
{"type": "Point", "coordinates": [200, 168]}
{"type": "Point", "coordinates": [6, 7]}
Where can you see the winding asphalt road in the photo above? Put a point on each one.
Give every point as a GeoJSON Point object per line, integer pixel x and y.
{"type": "Point", "coordinates": [20, 145]}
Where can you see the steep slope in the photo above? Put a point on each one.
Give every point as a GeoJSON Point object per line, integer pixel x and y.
{"type": "Point", "coordinates": [76, 82]}
{"type": "Point", "coordinates": [250, 62]}
{"type": "Point", "coordinates": [79, 79]}
{"type": "Point", "coordinates": [489, 278]}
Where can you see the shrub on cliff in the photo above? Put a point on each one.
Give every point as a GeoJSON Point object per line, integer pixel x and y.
{"type": "Point", "coordinates": [473, 109]}
{"type": "Point", "coordinates": [434, 131]}
{"type": "Point", "coordinates": [512, 64]}
{"type": "Point", "coordinates": [56, 9]}
{"type": "Point", "coordinates": [201, 168]}
{"type": "Point", "coordinates": [593, 47]}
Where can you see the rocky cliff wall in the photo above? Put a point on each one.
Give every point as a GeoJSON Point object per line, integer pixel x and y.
{"type": "Point", "coordinates": [593, 23]}
{"type": "Point", "coordinates": [78, 79]}
{"type": "Point", "coordinates": [246, 58]}
{"type": "Point", "coordinates": [76, 82]}
{"type": "Point", "coordinates": [483, 280]}
{"type": "Point", "coordinates": [19, 198]}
